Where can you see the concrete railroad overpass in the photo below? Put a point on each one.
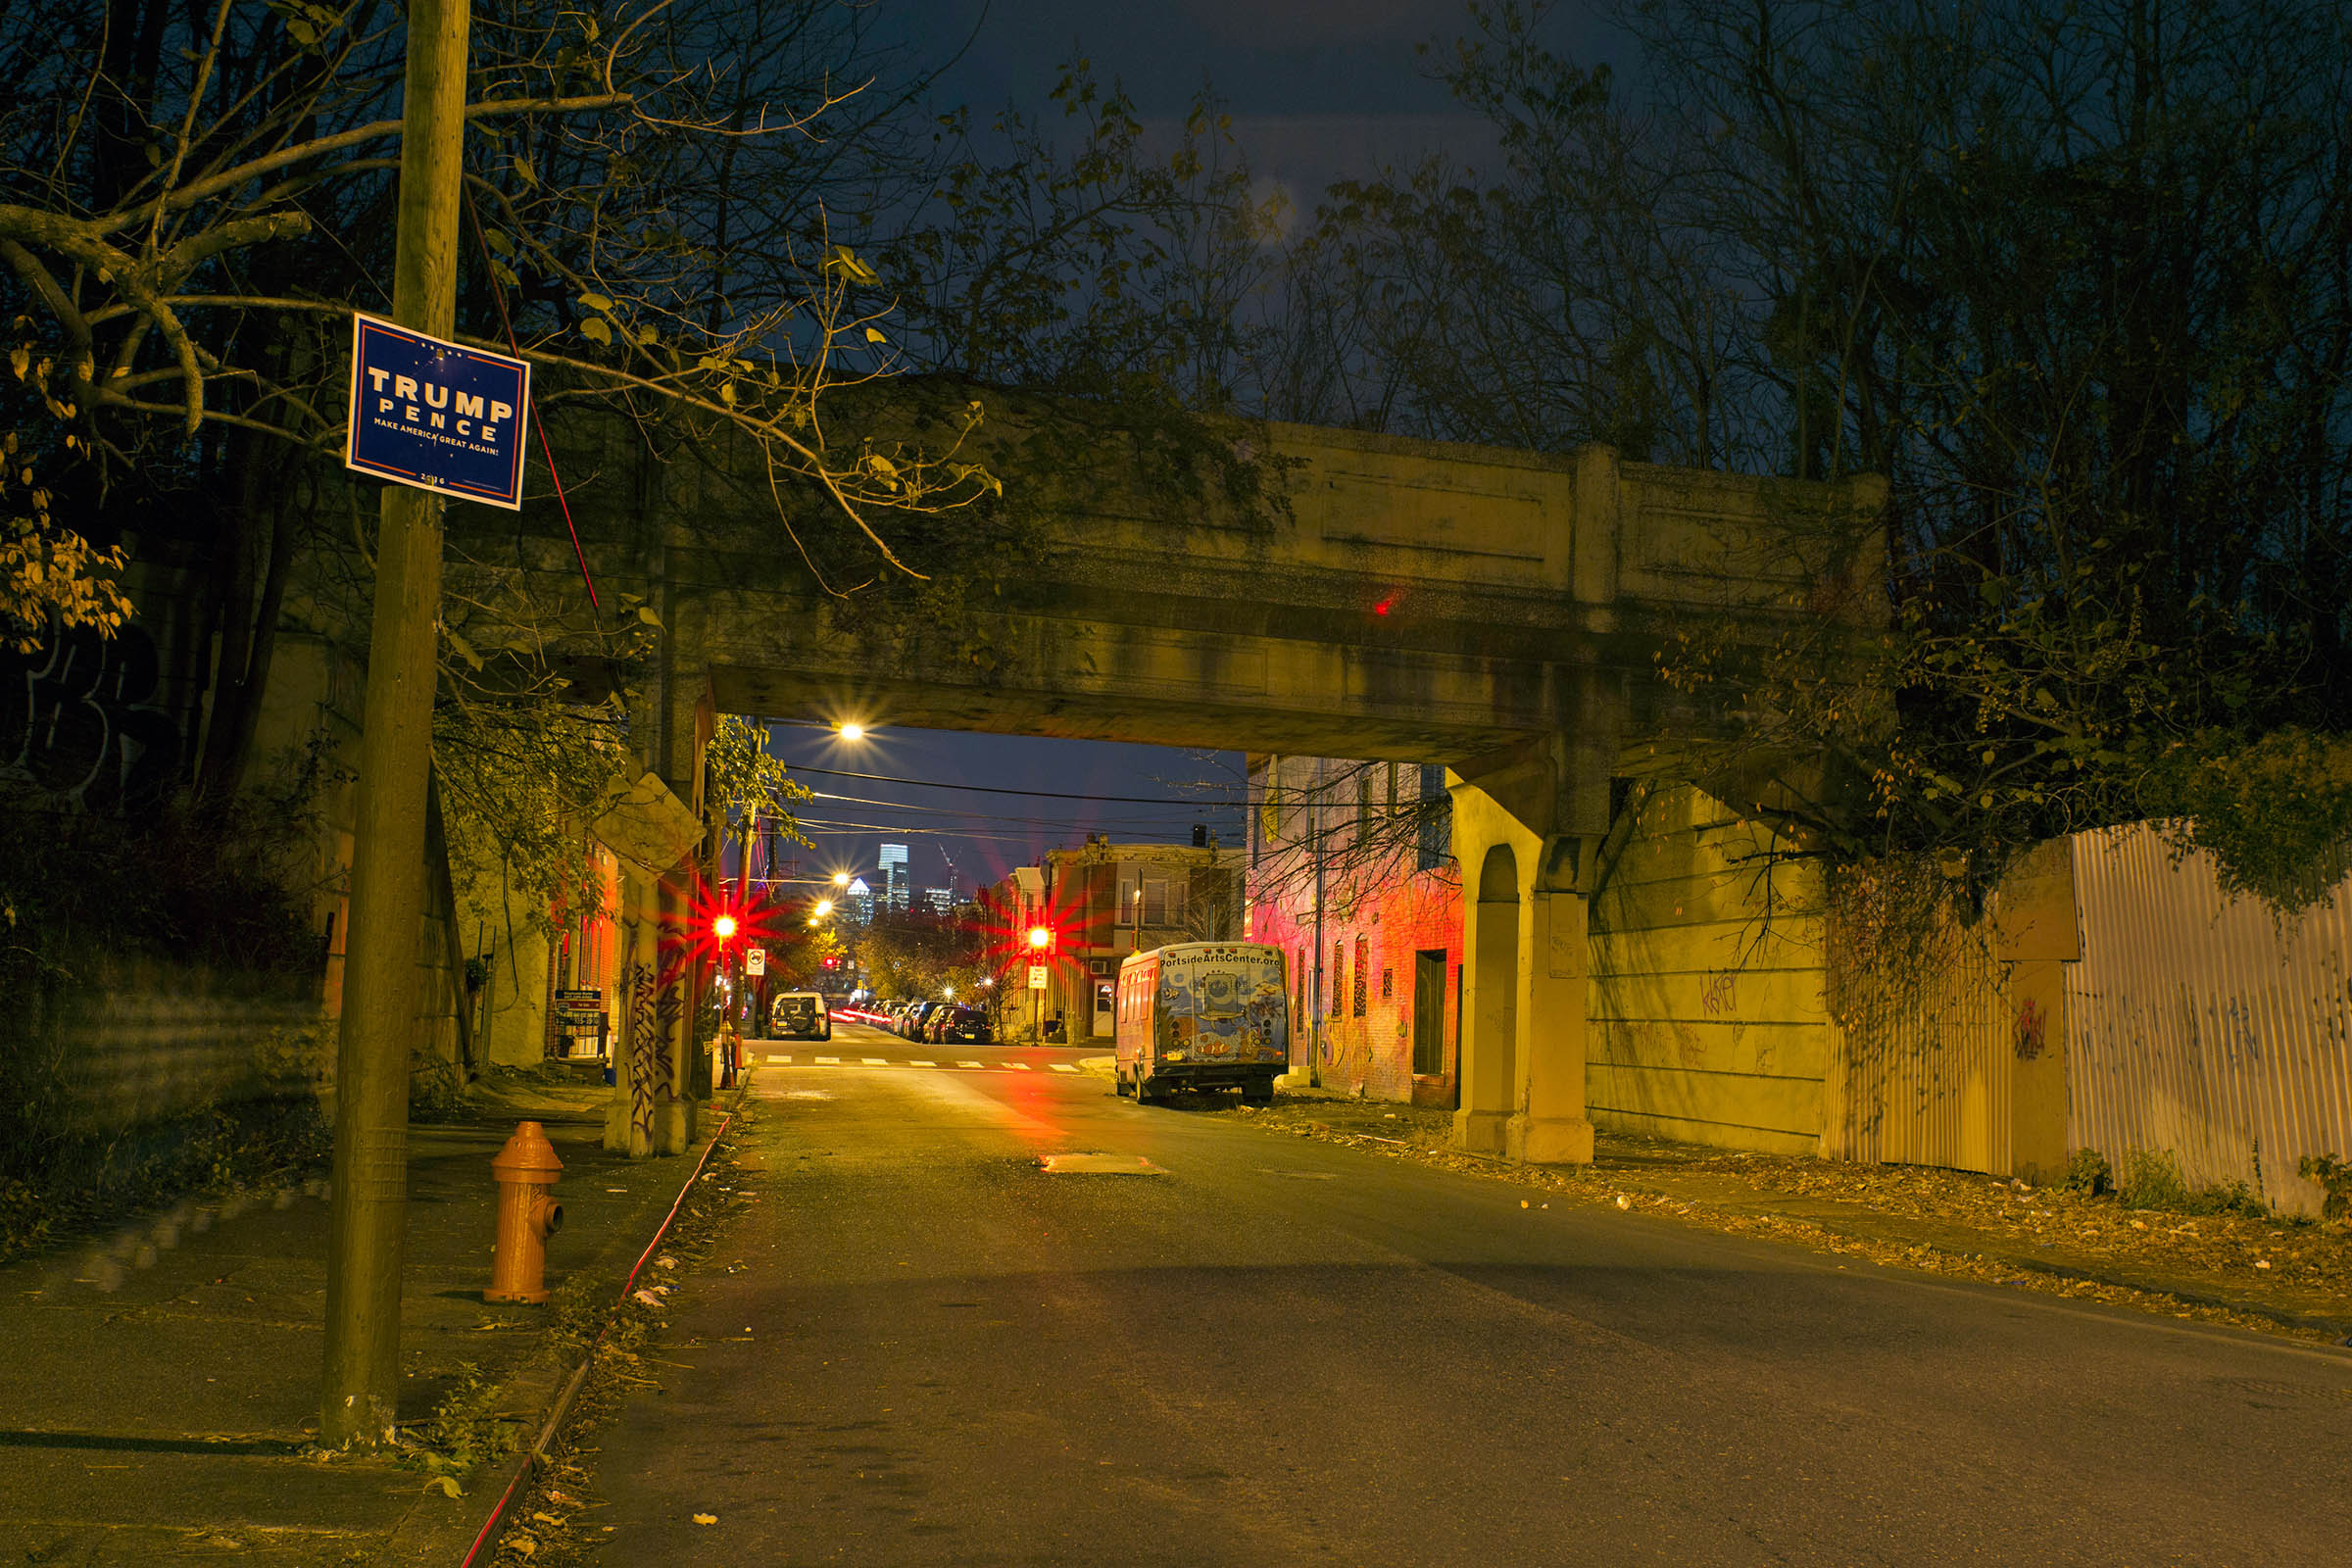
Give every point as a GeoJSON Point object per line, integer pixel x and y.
{"type": "Point", "coordinates": [1495, 610]}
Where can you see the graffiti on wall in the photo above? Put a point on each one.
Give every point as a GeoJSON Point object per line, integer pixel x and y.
{"type": "Point", "coordinates": [78, 720]}
{"type": "Point", "coordinates": [644, 1014]}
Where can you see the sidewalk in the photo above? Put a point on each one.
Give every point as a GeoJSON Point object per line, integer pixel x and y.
{"type": "Point", "coordinates": [2254, 1271]}
{"type": "Point", "coordinates": [161, 1384]}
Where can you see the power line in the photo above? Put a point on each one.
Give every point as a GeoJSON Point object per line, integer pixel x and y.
{"type": "Point", "coordinates": [979, 814]}
{"type": "Point", "coordinates": [833, 825]}
{"type": "Point", "coordinates": [993, 789]}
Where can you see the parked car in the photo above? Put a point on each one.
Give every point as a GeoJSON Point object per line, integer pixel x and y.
{"type": "Point", "coordinates": [946, 1024]}
{"type": "Point", "coordinates": [917, 1014]}
{"type": "Point", "coordinates": [1202, 1016]}
{"type": "Point", "coordinates": [800, 1016]}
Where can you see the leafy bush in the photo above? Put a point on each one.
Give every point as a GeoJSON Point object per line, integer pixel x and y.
{"type": "Point", "coordinates": [261, 1143]}
{"type": "Point", "coordinates": [464, 1429]}
{"type": "Point", "coordinates": [2334, 1175]}
{"type": "Point", "coordinates": [2152, 1179]}
{"type": "Point", "coordinates": [2087, 1172]}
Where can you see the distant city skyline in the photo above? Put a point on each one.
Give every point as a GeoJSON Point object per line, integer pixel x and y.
{"type": "Point", "coordinates": [966, 807]}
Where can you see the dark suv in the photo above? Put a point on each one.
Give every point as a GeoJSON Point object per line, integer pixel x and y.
{"type": "Point", "coordinates": [801, 1015]}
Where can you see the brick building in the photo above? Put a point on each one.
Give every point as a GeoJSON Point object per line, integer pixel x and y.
{"type": "Point", "coordinates": [1349, 875]}
{"type": "Point", "coordinates": [1103, 901]}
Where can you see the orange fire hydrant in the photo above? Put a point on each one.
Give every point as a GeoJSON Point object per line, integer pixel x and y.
{"type": "Point", "coordinates": [527, 1216]}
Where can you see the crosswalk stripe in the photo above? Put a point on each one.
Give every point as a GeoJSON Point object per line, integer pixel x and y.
{"type": "Point", "coordinates": [1064, 1066]}
{"type": "Point", "coordinates": [967, 1064]}
{"type": "Point", "coordinates": [1020, 1066]}
{"type": "Point", "coordinates": [874, 1061]}
{"type": "Point", "coordinates": [922, 1064]}
{"type": "Point", "coordinates": [828, 1061]}
{"type": "Point", "coordinates": [787, 1061]}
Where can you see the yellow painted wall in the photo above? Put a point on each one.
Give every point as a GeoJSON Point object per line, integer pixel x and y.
{"type": "Point", "coordinates": [1709, 1022]}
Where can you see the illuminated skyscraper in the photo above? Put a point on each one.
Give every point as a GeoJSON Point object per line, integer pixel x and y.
{"type": "Point", "coordinates": [897, 889]}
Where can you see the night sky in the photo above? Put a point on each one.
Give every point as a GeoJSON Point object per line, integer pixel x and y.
{"type": "Point", "coordinates": [985, 834]}
{"type": "Point", "coordinates": [1319, 91]}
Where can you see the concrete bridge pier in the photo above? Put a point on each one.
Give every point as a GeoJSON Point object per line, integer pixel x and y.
{"type": "Point", "coordinates": [1525, 836]}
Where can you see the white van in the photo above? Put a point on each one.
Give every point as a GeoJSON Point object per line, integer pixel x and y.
{"type": "Point", "coordinates": [1202, 1016]}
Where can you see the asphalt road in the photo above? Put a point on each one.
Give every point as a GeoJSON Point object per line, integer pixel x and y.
{"type": "Point", "coordinates": [919, 1347]}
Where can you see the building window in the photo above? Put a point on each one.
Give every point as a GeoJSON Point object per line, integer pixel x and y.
{"type": "Point", "coordinates": [1363, 956]}
{"type": "Point", "coordinates": [1128, 893]}
{"type": "Point", "coordinates": [1334, 998]}
{"type": "Point", "coordinates": [1436, 820]}
{"type": "Point", "coordinates": [1363, 805]}
{"type": "Point", "coordinates": [1155, 902]}
{"type": "Point", "coordinates": [1387, 984]}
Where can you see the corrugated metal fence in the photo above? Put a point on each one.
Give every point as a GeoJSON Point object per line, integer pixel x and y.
{"type": "Point", "coordinates": [1922, 1073]}
{"type": "Point", "coordinates": [2197, 1026]}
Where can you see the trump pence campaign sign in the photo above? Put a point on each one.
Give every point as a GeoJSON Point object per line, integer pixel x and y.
{"type": "Point", "coordinates": [438, 416]}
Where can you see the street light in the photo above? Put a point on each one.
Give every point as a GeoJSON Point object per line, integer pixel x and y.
{"type": "Point", "coordinates": [841, 879]}
{"type": "Point", "coordinates": [852, 732]}
{"type": "Point", "coordinates": [724, 928]}
{"type": "Point", "coordinates": [825, 906]}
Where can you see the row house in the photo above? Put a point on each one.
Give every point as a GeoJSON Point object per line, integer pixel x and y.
{"type": "Point", "coordinates": [1348, 874]}
{"type": "Point", "coordinates": [1101, 901]}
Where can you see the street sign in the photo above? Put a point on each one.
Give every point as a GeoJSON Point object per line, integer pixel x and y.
{"type": "Point", "coordinates": [1037, 977]}
{"type": "Point", "coordinates": [755, 960]}
{"type": "Point", "coordinates": [437, 416]}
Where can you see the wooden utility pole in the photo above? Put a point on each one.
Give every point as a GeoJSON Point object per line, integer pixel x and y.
{"type": "Point", "coordinates": [359, 1399]}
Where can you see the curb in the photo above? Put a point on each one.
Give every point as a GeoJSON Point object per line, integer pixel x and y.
{"type": "Point", "coordinates": [536, 1454]}
{"type": "Point", "coordinates": [421, 1542]}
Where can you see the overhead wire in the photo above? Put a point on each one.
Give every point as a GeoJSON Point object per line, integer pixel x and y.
{"type": "Point", "coordinates": [1045, 795]}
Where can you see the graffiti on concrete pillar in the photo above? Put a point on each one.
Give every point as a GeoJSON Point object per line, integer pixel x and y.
{"type": "Point", "coordinates": [78, 720]}
{"type": "Point", "coordinates": [669, 1006]}
{"type": "Point", "coordinates": [645, 1050]}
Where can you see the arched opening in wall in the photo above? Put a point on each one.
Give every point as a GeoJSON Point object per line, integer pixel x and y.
{"type": "Point", "coordinates": [1489, 1076]}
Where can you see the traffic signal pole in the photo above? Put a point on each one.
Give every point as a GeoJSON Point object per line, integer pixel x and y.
{"type": "Point", "coordinates": [359, 1397]}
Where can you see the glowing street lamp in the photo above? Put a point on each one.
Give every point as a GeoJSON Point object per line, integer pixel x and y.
{"type": "Point", "coordinates": [825, 906]}
{"type": "Point", "coordinates": [724, 928]}
{"type": "Point", "coordinates": [852, 732]}
{"type": "Point", "coordinates": [1040, 938]}
{"type": "Point", "coordinates": [841, 879]}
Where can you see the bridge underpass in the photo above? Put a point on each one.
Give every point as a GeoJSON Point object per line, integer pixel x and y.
{"type": "Point", "coordinates": [1496, 611]}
